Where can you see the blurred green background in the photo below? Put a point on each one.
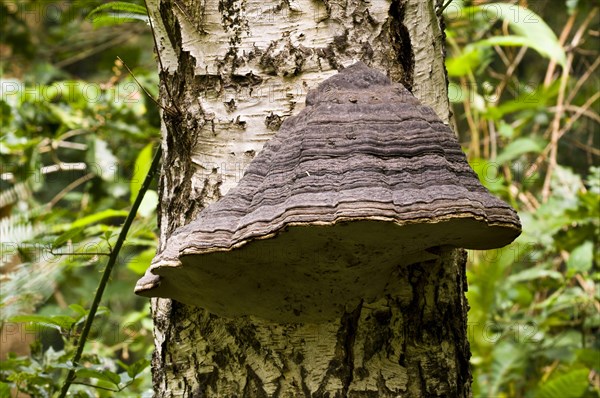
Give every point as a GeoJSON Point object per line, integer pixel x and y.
{"type": "Point", "coordinates": [78, 134]}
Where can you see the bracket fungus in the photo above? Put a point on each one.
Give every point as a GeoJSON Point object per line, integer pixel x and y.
{"type": "Point", "coordinates": [364, 180]}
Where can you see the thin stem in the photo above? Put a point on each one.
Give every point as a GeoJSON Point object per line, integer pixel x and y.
{"type": "Point", "coordinates": [589, 71]}
{"type": "Point", "coordinates": [562, 40]}
{"type": "Point", "coordinates": [139, 84]}
{"type": "Point", "coordinates": [474, 143]}
{"type": "Point", "coordinates": [79, 254]}
{"type": "Point", "coordinates": [119, 389]}
{"type": "Point", "coordinates": [509, 72]}
{"type": "Point", "coordinates": [556, 131]}
{"type": "Point", "coordinates": [493, 140]}
{"type": "Point", "coordinates": [160, 63]}
{"type": "Point", "coordinates": [69, 188]}
{"type": "Point", "coordinates": [107, 271]}
{"type": "Point", "coordinates": [582, 109]}
{"type": "Point", "coordinates": [442, 8]}
{"type": "Point", "coordinates": [589, 149]}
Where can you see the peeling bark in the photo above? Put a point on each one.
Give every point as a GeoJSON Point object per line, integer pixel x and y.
{"type": "Point", "coordinates": [236, 69]}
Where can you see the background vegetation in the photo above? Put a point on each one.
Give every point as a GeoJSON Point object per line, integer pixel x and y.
{"type": "Point", "coordinates": [77, 139]}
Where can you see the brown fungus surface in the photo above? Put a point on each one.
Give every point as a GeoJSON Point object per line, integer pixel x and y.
{"type": "Point", "coordinates": [362, 181]}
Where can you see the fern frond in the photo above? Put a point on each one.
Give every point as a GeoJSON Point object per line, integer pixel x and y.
{"type": "Point", "coordinates": [14, 230]}
{"type": "Point", "coordinates": [19, 191]}
{"type": "Point", "coordinates": [25, 286]}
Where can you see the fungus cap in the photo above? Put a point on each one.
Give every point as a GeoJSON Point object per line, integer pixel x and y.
{"type": "Point", "coordinates": [364, 180]}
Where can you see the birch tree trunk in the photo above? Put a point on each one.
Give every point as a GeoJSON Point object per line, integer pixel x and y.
{"type": "Point", "coordinates": [236, 69]}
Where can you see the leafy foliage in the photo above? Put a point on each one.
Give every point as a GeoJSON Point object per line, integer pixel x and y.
{"type": "Point", "coordinates": [73, 148]}
{"type": "Point", "coordinates": [116, 13]}
{"type": "Point", "coordinates": [530, 136]}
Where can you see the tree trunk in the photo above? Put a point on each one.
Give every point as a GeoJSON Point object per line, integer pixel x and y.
{"type": "Point", "coordinates": [235, 69]}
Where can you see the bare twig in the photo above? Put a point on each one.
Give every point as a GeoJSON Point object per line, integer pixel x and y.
{"type": "Point", "coordinates": [587, 148]}
{"type": "Point", "coordinates": [562, 40]}
{"type": "Point", "coordinates": [589, 71]}
{"type": "Point", "coordinates": [474, 145]}
{"type": "Point", "coordinates": [555, 126]}
{"type": "Point", "coordinates": [580, 110]}
{"type": "Point", "coordinates": [140, 85]}
{"type": "Point", "coordinates": [535, 166]}
{"type": "Point", "coordinates": [509, 72]}
{"type": "Point", "coordinates": [69, 188]}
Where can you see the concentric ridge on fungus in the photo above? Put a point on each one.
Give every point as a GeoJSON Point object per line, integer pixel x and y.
{"type": "Point", "coordinates": [362, 181]}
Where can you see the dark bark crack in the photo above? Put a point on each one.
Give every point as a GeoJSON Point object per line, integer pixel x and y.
{"type": "Point", "coordinates": [401, 42]}
{"type": "Point", "coordinates": [349, 327]}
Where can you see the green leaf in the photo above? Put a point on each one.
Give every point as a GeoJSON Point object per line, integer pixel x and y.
{"type": "Point", "coordinates": [119, 6]}
{"type": "Point", "coordinates": [67, 236]}
{"type": "Point", "coordinates": [534, 273]}
{"type": "Point", "coordinates": [530, 29]}
{"type": "Point", "coordinates": [589, 357]}
{"type": "Point", "coordinates": [113, 19]}
{"type": "Point", "coordinates": [102, 310]}
{"type": "Point", "coordinates": [58, 322]}
{"type": "Point", "coordinates": [572, 384]}
{"type": "Point", "coordinates": [528, 98]}
{"type": "Point", "coordinates": [78, 309]}
{"type": "Point", "coordinates": [506, 130]}
{"type": "Point", "coordinates": [4, 389]}
{"type": "Point", "coordinates": [455, 93]}
{"type": "Point", "coordinates": [581, 257]}
{"type": "Point", "coordinates": [117, 12]}
{"type": "Point", "coordinates": [137, 316]}
{"type": "Point", "coordinates": [462, 64]}
{"type": "Point", "coordinates": [69, 118]}
{"type": "Point", "coordinates": [5, 113]}
{"type": "Point", "coordinates": [94, 218]}
{"type": "Point", "coordinates": [140, 263]}
{"type": "Point", "coordinates": [104, 163]}
{"type": "Point", "coordinates": [519, 147]}
{"type": "Point", "coordinates": [507, 362]}
{"type": "Point", "coordinates": [137, 367]}
{"type": "Point", "coordinates": [100, 374]}
{"type": "Point", "coordinates": [75, 231]}
{"type": "Point", "coordinates": [149, 204]}
{"type": "Point", "coordinates": [108, 235]}
{"type": "Point", "coordinates": [142, 165]}
{"type": "Point", "coordinates": [488, 174]}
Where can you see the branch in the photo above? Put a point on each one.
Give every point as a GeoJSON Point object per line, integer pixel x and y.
{"type": "Point", "coordinates": [107, 271]}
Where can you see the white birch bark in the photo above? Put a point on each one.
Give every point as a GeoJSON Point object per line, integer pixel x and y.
{"type": "Point", "coordinates": [236, 69]}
